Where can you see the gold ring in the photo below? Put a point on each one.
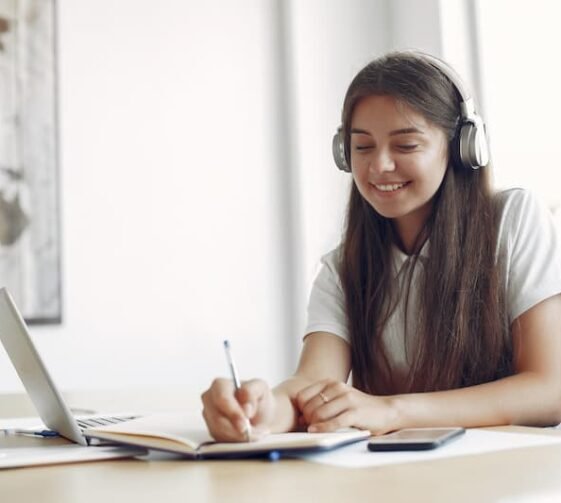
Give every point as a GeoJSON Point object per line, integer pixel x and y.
{"type": "Point", "coordinates": [323, 397]}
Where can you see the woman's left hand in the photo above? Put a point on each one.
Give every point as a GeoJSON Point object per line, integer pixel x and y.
{"type": "Point", "coordinates": [329, 405]}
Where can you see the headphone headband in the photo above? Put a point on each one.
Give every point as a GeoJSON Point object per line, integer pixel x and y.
{"type": "Point", "coordinates": [471, 144]}
{"type": "Point", "coordinates": [448, 71]}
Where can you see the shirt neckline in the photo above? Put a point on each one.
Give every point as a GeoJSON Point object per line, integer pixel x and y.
{"type": "Point", "coordinates": [399, 258]}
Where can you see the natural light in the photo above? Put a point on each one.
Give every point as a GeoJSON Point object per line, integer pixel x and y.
{"type": "Point", "coordinates": [521, 77]}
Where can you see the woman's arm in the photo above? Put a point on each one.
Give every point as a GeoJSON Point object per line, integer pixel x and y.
{"type": "Point", "coordinates": [530, 397]}
{"type": "Point", "coordinates": [324, 356]}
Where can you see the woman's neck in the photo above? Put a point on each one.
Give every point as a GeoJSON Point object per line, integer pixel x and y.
{"type": "Point", "coordinates": [411, 231]}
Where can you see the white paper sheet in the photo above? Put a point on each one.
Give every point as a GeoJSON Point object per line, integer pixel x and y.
{"type": "Point", "coordinates": [18, 457]}
{"type": "Point", "coordinates": [27, 423]}
{"type": "Point", "coordinates": [473, 442]}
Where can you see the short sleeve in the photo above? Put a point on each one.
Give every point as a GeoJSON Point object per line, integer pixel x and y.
{"type": "Point", "coordinates": [532, 246]}
{"type": "Point", "coordinates": [326, 306]}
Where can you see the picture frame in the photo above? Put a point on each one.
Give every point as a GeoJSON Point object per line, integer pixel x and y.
{"type": "Point", "coordinates": [30, 241]}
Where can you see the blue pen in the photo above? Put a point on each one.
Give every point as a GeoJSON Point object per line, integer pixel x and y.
{"type": "Point", "coordinates": [37, 433]}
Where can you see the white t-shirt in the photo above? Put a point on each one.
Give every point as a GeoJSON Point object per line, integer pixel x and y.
{"type": "Point", "coordinates": [527, 240]}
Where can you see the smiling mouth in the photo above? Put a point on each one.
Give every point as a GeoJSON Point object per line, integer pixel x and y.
{"type": "Point", "coordinates": [389, 187]}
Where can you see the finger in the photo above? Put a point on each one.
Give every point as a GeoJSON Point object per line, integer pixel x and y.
{"type": "Point", "coordinates": [220, 399]}
{"type": "Point", "coordinates": [322, 408]}
{"type": "Point", "coordinates": [319, 411]}
{"type": "Point", "coordinates": [325, 402]}
{"type": "Point", "coordinates": [258, 432]}
{"type": "Point", "coordinates": [250, 395]}
{"type": "Point", "coordinates": [310, 392]}
{"type": "Point", "coordinates": [311, 408]}
{"type": "Point", "coordinates": [343, 420]}
{"type": "Point", "coordinates": [220, 431]}
{"type": "Point", "coordinates": [221, 428]}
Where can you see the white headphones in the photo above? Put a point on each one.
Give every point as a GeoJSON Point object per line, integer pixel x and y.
{"type": "Point", "coordinates": [472, 147]}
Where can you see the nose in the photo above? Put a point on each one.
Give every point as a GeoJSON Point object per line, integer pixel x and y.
{"type": "Point", "coordinates": [381, 162]}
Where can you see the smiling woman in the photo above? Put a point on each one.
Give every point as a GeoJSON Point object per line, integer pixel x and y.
{"type": "Point", "coordinates": [443, 298]}
{"type": "Point", "coordinates": [398, 162]}
{"type": "Point", "coordinates": [444, 202]}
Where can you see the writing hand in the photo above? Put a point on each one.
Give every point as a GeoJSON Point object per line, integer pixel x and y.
{"type": "Point", "coordinates": [226, 410]}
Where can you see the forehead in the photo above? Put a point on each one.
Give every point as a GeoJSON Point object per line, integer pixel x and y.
{"type": "Point", "coordinates": [386, 112]}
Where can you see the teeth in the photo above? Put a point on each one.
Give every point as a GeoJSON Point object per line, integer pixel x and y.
{"type": "Point", "coordinates": [389, 188]}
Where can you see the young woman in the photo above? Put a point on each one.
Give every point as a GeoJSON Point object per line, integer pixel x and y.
{"type": "Point", "coordinates": [443, 299]}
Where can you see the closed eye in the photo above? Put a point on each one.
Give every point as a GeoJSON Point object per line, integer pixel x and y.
{"type": "Point", "coordinates": [408, 148]}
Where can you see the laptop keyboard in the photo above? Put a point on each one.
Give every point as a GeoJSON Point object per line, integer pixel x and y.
{"type": "Point", "coordinates": [102, 421]}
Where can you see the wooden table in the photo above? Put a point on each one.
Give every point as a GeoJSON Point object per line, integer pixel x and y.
{"type": "Point", "coordinates": [526, 474]}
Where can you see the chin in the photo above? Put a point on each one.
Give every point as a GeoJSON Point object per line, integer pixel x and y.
{"type": "Point", "coordinates": [390, 213]}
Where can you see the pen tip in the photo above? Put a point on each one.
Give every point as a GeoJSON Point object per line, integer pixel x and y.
{"type": "Point", "coordinates": [226, 343]}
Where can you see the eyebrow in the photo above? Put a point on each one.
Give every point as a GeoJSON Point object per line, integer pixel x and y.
{"type": "Point", "coordinates": [395, 132]}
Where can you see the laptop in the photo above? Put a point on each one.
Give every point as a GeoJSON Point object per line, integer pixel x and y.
{"type": "Point", "coordinates": [35, 377]}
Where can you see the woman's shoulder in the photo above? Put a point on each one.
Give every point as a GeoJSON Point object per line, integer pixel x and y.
{"type": "Point", "coordinates": [329, 266]}
{"type": "Point", "coordinates": [526, 222]}
{"type": "Point", "coordinates": [332, 259]}
{"type": "Point", "coordinates": [514, 198]}
{"type": "Point", "coordinates": [518, 206]}
{"type": "Point", "coordinates": [529, 246]}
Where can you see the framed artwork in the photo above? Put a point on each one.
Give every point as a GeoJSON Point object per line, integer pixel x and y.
{"type": "Point", "coordinates": [30, 263]}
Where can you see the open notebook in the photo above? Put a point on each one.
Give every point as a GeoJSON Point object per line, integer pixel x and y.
{"type": "Point", "coordinates": [179, 434]}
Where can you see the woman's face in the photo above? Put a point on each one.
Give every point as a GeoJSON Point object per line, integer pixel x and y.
{"type": "Point", "coordinates": [398, 161]}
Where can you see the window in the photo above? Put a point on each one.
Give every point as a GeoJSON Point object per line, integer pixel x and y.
{"type": "Point", "coordinates": [520, 80]}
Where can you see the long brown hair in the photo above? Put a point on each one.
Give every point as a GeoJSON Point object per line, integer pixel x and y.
{"type": "Point", "coordinates": [462, 328]}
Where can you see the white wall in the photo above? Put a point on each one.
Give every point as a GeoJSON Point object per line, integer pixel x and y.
{"type": "Point", "coordinates": [522, 78]}
{"type": "Point", "coordinates": [169, 237]}
{"type": "Point", "coordinates": [198, 189]}
{"type": "Point", "coordinates": [332, 42]}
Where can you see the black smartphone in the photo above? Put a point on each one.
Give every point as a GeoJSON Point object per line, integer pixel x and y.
{"type": "Point", "coordinates": [414, 439]}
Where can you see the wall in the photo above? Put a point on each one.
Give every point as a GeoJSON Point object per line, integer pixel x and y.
{"type": "Point", "coordinates": [332, 42]}
{"type": "Point", "coordinates": [521, 81]}
{"type": "Point", "coordinates": [198, 190]}
{"type": "Point", "coordinates": [329, 43]}
{"type": "Point", "coordinates": [169, 234]}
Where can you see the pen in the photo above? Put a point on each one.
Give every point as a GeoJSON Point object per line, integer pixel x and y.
{"type": "Point", "coordinates": [37, 433]}
{"type": "Point", "coordinates": [237, 383]}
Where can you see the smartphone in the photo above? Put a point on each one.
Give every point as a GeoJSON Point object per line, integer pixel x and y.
{"type": "Point", "coordinates": [414, 439]}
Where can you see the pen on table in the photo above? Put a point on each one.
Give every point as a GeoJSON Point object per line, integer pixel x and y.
{"type": "Point", "coordinates": [237, 383]}
{"type": "Point", "coordinates": [37, 433]}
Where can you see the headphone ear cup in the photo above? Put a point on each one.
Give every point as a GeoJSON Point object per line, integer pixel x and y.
{"type": "Point", "coordinates": [338, 148]}
{"type": "Point", "coordinates": [474, 151]}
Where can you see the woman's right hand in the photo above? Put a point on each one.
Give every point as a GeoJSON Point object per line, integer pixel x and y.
{"type": "Point", "coordinates": [226, 410]}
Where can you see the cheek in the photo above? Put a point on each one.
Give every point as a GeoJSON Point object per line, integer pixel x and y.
{"type": "Point", "coordinates": [432, 172]}
{"type": "Point", "coordinates": [439, 171]}
{"type": "Point", "coordinates": [361, 181]}
{"type": "Point", "coordinates": [358, 173]}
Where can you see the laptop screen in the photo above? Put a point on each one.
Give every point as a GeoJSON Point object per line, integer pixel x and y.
{"type": "Point", "coordinates": [32, 371]}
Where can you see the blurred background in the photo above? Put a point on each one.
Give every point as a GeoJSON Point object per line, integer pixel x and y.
{"type": "Point", "coordinates": [198, 191]}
